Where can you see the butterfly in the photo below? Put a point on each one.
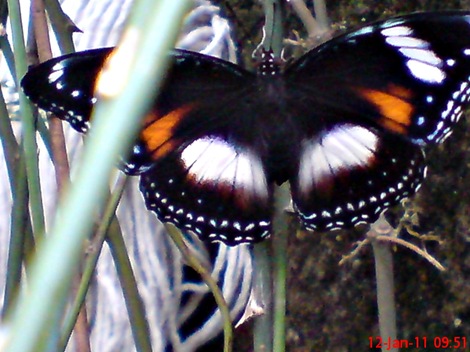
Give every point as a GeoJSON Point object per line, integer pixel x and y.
{"type": "Point", "coordinates": [345, 125]}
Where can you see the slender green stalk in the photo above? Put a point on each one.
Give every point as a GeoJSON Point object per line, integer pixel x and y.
{"type": "Point", "coordinates": [28, 124]}
{"type": "Point", "coordinates": [8, 55]}
{"type": "Point", "coordinates": [11, 149]}
{"type": "Point", "coordinates": [194, 263]}
{"type": "Point", "coordinates": [107, 222]}
{"type": "Point", "coordinates": [273, 26]}
{"type": "Point", "coordinates": [62, 26]}
{"type": "Point", "coordinates": [385, 287]}
{"type": "Point", "coordinates": [18, 233]}
{"type": "Point", "coordinates": [269, 333]}
{"type": "Point", "coordinates": [279, 243]}
{"type": "Point", "coordinates": [153, 27]}
{"type": "Point", "coordinates": [134, 304]}
{"type": "Point", "coordinates": [263, 327]}
{"type": "Point", "coordinates": [15, 162]}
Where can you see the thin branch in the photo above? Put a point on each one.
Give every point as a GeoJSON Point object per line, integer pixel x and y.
{"type": "Point", "coordinates": [318, 29]}
{"type": "Point", "coordinates": [134, 303]}
{"type": "Point", "coordinates": [43, 45]}
{"type": "Point", "coordinates": [414, 248]}
{"type": "Point", "coordinates": [385, 284]}
{"type": "Point", "coordinates": [204, 272]}
{"type": "Point", "coordinates": [28, 125]}
{"type": "Point", "coordinates": [62, 26]}
{"type": "Point", "coordinates": [279, 243]}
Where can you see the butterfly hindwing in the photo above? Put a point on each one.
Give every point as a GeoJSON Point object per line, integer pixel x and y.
{"type": "Point", "coordinates": [349, 175]}
{"type": "Point", "coordinates": [213, 188]}
{"type": "Point", "coordinates": [408, 75]}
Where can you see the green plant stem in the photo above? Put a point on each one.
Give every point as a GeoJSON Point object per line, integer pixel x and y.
{"type": "Point", "coordinates": [59, 158]}
{"type": "Point", "coordinates": [134, 304]}
{"type": "Point", "coordinates": [20, 229]}
{"type": "Point", "coordinates": [385, 286]}
{"type": "Point", "coordinates": [195, 264]}
{"type": "Point", "coordinates": [107, 221]}
{"type": "Point", "coordinates": [263, 326]}
{"type": "Point", "coordinates": [8, 54]}
{"type": "Point", "coordinates": [18, 233]}
{"type": "Point", "coordinates": [269, 331]}
{"type": "Point", "coordinates": [279, 243]}
{"type": "Point", "coordinates": [62, 26]}
{"type": "Point", "coordinates": [273, 26]}
{"type": "Point", "coordinates": [11, 149]}
{"type": "Point", "coordinates": [28, 124]}
{"type": "Point", "coordinates": [11, 152]}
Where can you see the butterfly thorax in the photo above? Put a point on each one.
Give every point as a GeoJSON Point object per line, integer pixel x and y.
{"type": "Point", "coordinates": [278, 132]}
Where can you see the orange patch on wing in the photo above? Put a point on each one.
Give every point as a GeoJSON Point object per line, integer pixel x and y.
{"type": "Point", "coordinates": [393, 105]}
{"type": "Point", "coordinates": [158, 133]}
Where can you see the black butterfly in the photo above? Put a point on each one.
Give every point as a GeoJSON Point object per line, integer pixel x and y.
{"type": "Point", "coordinates": [344, 125]}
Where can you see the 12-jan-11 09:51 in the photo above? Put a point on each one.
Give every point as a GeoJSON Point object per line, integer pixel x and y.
{"type": "Point", "coordinates": [437, 342]}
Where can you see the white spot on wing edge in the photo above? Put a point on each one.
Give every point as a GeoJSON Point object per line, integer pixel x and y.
{"type": "Point", "coordinates": [397, 31]}
{"type": "Point", "coordinates": [422, 55]}
{"type": "Point", "coordinates": [407, 42]}
{"type": "Point", "coordinates": [426, 72]}
{"type": "Point", "coordinates": [54, 76]}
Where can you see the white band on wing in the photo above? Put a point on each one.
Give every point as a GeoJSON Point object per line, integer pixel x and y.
{"type": "Point", "coordinates": [213, 159]}
{"type": "Point", "coordinates": [345, 147]}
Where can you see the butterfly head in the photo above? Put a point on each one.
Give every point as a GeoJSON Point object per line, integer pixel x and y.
{"type": "Point", "coordinates": [269, 65]}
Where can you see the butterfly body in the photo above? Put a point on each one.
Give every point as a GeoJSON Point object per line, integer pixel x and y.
{"type": "Point", "coordinates": [344, 125]}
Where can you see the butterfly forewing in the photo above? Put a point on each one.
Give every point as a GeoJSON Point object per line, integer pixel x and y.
{"type": "Point", "coordinates": [408, 75]}
{"type": "Point", "coordinates": [65, 85]}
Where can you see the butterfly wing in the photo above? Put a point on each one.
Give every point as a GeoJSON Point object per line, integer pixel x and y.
{"type": "Point", "coordinates": [65, 85]}
{"type": "Point", "coordinates": [408, 75]}
{"type": "Point", "coordinates": [350, 174]}
{"type": "Point", "coordinates": [379, 94]}
{"type": "Point", "coordinates": [213, 188]}
{"type": "Point", "coordinates": [196, 170]}
{"type": "Point", "coordinates": [205, 176]}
